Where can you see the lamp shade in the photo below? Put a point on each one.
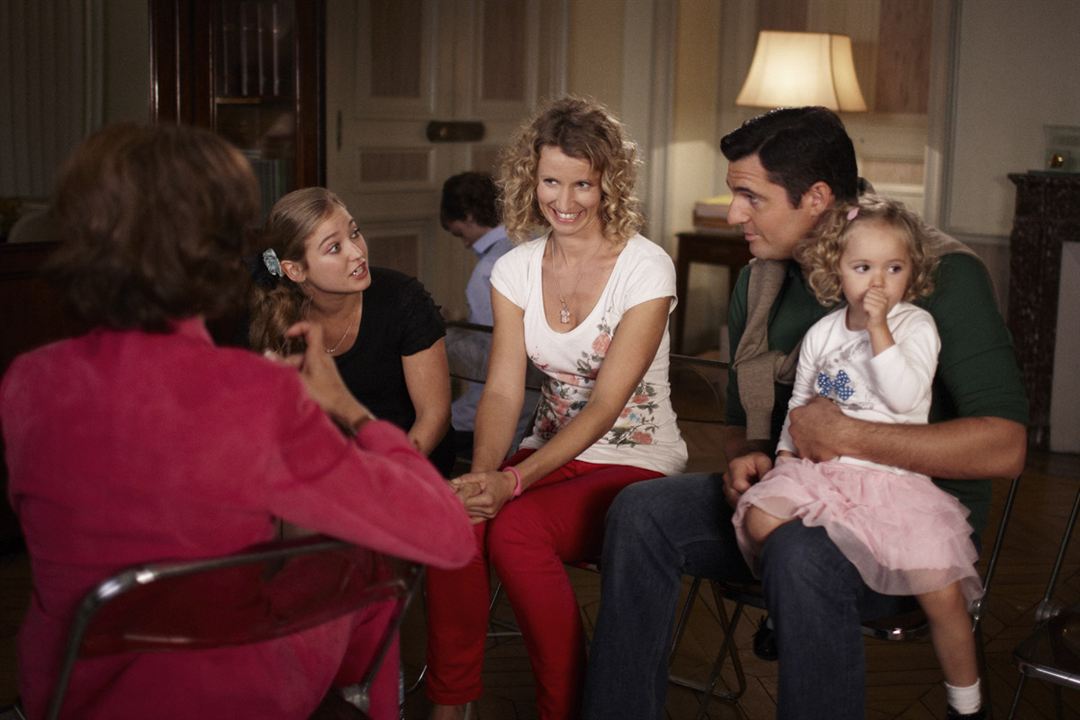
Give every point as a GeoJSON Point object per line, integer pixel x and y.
{"type": "Point", "coordinates": [797, 68]}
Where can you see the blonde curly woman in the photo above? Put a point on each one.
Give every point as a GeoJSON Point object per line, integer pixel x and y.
{"type": "Point", "coordinates": [587, 303]}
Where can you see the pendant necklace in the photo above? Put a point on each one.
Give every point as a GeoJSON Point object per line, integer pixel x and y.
{"type": "Point", "coordinates": [564, 311]}
{"type": "Point", "coordinates": [348, 329]}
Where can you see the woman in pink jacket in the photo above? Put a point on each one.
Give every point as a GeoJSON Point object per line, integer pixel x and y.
{"type": "Point", "coordinates": [142, 441]}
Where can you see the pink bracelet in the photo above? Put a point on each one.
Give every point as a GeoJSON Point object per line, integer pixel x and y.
{"type": "Point", "coordinates": [517, 479]}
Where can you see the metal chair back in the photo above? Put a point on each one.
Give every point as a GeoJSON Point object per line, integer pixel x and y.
{"type": "Point", "coordinates": [1052, 652]}
{"type": "Point", "coordinates": [266, 592]}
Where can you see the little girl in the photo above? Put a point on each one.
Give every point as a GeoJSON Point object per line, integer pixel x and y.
{"type": "Point", "coordinates": [875, 358]}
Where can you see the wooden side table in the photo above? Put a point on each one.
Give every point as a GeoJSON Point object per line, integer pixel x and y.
{"type": "Point", "coordinates": [720, 247]}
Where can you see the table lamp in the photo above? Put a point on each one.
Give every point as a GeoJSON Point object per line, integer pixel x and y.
{"type": "Point", "coordinates": [800, 68]}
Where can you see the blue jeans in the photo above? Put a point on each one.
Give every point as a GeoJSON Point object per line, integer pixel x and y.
{"type": "Point", "coordinates": [659, 530]}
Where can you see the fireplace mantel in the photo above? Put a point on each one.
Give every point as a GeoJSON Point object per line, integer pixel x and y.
{"type": "Point", "coordinates": [1047, 215]}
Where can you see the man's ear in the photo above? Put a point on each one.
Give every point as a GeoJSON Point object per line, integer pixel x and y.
{"type": "Point", "coordinates": [293, 271]}
{"type": "Point", "coordinates": [818, 198]}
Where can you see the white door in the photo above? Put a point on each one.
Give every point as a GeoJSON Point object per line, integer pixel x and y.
{"type": "Point", "coordinates": [396, 66]}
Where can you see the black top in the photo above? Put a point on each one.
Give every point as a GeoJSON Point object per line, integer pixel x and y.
{"type": "Point", "coordinates": [399, 319]}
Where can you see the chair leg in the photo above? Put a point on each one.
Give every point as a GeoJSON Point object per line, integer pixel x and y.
{"type": "Point", "coordinates": [707, 689]}
{"type": "Point", "coordinates": [1016, 696]}
{"type": "Point", "coordinates": [500, 628]}
{"type": "Point", "coordinates": [727, 648]}
{"type": "Point", "coordinates": [684, 617]}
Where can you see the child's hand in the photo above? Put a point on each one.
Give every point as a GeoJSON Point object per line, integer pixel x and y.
{"type": "Point", "coordinates": [876, 307]}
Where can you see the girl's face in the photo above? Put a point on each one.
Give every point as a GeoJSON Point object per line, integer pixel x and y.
{"type": "Point", "coordinates": [568, 192]}
{"type": "Point", "coordinates": [335, 257]}
{"type": "Point", "coordinates": [875, 256]}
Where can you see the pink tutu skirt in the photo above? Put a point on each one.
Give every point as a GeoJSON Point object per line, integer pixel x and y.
{"type": "Point", "coordinates": [903, 534]}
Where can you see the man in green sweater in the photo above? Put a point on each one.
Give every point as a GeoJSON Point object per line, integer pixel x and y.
{"type": "Point", "coordinates": [785, 169]}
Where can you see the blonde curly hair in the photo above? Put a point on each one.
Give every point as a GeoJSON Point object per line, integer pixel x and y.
{"type": "Point", "coordinates": [584, 129]}
{"type": "Point", "coordinates": [819, 255]}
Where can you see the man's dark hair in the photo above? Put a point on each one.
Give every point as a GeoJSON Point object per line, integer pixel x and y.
{"type": "Point", "coordinates": [469, 193]}
{"type": "Point", "coordinates": [798, 147]}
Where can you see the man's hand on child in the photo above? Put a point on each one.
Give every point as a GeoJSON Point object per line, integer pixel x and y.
{"type": "Point", "coordinates": [743, 472]}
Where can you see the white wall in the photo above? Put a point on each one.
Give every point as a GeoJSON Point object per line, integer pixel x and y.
{"type": "Point", "coordinates": [1017, 69]}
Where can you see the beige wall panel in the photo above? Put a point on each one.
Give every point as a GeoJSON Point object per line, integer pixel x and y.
{"type": "Point", "coordinates": [879, 170]}
{"type": "Point", "coordinates": [397, 166]}
{"type": "Point", "coordinates": [692, 160]}
{"type": "Point", "coordinates": [789, 15]}
{"type": "Point", "coordinates": [485, 158]}
{"type": "Point", "coordinates": [596, 50]}
{"type": "Point", "coordinates": [859, 20]}
{"type": "Point", "coordinates": [504, 44]}
{"type": "Point", "coordinates": [396, 48]}
{"type": "Point", "coordinates": [399, 252]}
{"type": "Point", "coordinates": [903, 64]}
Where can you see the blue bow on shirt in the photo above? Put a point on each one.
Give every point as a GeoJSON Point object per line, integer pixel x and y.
{"type": "Point", "coordinates": [840, 386]}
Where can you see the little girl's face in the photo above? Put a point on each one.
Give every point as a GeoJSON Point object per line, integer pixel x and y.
{"type": "Point", "coordinates": [876, 261]}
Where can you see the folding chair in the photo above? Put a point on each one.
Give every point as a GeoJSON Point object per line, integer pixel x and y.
{"type": "Point", "coordinates": [263, 593]}
{"type": "Point", "coordinates": [906, 626]}
{"type": "Point", "coordinates": [1052, 651]}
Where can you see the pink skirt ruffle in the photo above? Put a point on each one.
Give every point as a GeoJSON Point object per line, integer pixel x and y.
{"type": "Point", "coordinates": [902, 533]}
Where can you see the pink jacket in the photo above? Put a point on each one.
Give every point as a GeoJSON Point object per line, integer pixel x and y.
{"type": "Point", "coordinates": [126, 447]}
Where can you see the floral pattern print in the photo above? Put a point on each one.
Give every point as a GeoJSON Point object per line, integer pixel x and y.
{"type": "Point", "coordinates": [564, 395]}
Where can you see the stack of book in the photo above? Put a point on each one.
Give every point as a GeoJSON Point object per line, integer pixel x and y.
{"type": "Point", "coordinates": [711, 213]}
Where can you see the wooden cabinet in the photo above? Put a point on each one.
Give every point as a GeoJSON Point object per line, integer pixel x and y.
{"type": "Point", "coordinates": [726, 248]}
{"type": "Point", "coordinates": [253, 71]}
{"type": "Point", "coordinates": [1047, 215]}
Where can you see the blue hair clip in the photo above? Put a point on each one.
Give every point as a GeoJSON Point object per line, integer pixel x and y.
{"type": "Point", "coordinates": [270, 260]}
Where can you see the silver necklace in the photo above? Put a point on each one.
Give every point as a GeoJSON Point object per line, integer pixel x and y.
{"type": "Point", "coordinates": [348, 329]}
{"type": "Point", "coordinates": [564, 311]}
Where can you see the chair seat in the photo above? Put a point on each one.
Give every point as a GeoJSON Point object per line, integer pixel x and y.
{"type": "Point", "coordinates": [902, 626]}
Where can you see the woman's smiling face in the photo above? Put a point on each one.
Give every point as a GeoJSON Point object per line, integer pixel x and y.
{"type": "Point", "coordinates": [568, 193]}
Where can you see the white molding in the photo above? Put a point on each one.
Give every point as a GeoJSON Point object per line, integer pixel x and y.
{"type": "Point", "coordinates": [944, 46]}
{"type": "Point", "coordinates": [558, 39]}
{"type": "Point", "coordinates": [647, 97]}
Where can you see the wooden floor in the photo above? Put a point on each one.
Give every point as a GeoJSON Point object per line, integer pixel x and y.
{"type": "Point", "coordinates": [903, 678]}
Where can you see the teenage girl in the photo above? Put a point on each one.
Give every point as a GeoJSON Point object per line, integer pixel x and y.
{"type": "Point", "coordinates": [875, 357]}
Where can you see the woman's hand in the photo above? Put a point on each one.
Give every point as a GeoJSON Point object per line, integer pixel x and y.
{"type": "Point", "coordinates": [484, 493]}
{"type": "Point", "coordinates": [322, 380]}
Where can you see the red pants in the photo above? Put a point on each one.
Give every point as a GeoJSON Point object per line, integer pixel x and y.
{"type": "Point", "coordinates": [369, 627]}
{"type": "Point", "coordinates": [559, 519]}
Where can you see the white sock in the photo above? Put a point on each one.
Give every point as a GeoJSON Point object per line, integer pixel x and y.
{"type": "Point", "coordinates": [964, 700]}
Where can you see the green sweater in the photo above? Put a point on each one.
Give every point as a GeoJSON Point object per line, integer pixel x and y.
{"type": "Point", "coordinates": [977, 374]}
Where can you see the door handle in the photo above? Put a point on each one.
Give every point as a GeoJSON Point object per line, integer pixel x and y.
{"type": "Point", "coordinates": [455, 131]}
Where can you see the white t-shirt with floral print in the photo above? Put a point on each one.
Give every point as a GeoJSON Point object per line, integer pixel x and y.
{"type": "Point", "coordinates": [646, 434]}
